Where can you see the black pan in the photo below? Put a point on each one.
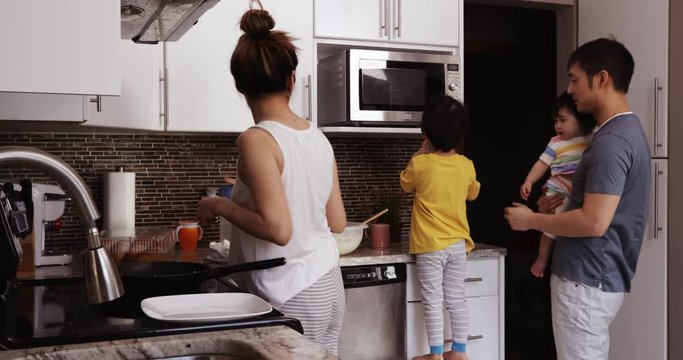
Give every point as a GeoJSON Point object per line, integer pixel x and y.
{"type": "Point", "coordinates": [147, 279]}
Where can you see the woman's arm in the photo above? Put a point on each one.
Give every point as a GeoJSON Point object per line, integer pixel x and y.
{"type": "Point", "coordinates": [260, 168]}
{"type": "Point", "coordinates": [334, 209]}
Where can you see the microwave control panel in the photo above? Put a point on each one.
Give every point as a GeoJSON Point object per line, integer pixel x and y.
{"type": "Point", "coordinates": [453, 81]}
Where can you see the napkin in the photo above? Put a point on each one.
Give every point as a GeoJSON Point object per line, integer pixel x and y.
{"type": "Point", "coordinates": [221, 247]}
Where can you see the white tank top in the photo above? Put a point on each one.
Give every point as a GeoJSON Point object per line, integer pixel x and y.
{"type": "Point", "coordinates": [312, 251]}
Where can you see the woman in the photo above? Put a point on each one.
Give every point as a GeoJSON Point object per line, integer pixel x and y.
{"type": "Point", "coordinates": [286, 200]}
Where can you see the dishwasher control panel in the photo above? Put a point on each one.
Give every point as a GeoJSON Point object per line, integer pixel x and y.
{"type": "Point", "coordinates": [371, 275]}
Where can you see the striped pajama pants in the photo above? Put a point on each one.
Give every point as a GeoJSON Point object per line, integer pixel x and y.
{"type": "Point", "coordinates": [320, 308]}
{"type": "Point", "coordinates": [441, 276]}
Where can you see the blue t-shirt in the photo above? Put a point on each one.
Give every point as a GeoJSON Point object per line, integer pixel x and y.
{"type": "Point", "coordinates": [617, 162]}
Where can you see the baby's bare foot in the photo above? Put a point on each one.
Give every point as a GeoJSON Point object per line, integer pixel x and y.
{"type": "Point", "coordinates": [453, 355]}
{"type": "Point", "coordinates": [538, 268]}
{"type": "Point", "coordinates": [428, 357]}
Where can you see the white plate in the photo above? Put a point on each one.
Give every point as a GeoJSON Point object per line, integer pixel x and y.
{"type": "Point", "coordinates": [216, 259]}
{"type": "Point", "coordinates": [212, 307]}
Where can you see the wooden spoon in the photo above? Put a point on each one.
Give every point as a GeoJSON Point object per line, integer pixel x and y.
{"type": "Point", "coordinates": [373, 217]}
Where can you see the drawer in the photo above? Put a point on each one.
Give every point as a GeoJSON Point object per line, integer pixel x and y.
{"type": "Point", "coordinates": [481, 279]}
{"type": "Point", "coordinates": [483, 342]}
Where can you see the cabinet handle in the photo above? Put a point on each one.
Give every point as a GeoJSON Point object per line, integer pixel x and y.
{"type": "Point", "coordinates": [309, 95]}
{"type": "Point", "coordinates": [164, 79]}
{"type": "Point", "coordinates": [655, 225]}
{"type": "Point", "coordinates": [398, 18]}
{"type": "Point", "coordinates": [97, 100]}
{"type": "Point", "coordinates": [657, 144]}
{"type": "Point", "coordinates": [162, 99]}
{"type": "Point", "coordinates": [474, 279]}
{"type": "Point", "coordinates": [384, 16]}
{"type": "Point", "coordinates": [474, 337]}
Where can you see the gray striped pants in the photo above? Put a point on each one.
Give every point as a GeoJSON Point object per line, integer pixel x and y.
{"type": "Point", "coordinates": [320, 308]}
{"type": "Point", "coordinates": [441, 275]}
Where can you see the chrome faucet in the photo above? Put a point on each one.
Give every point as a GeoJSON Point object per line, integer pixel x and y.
{"type": "Point", "coordinates": [102, 280]}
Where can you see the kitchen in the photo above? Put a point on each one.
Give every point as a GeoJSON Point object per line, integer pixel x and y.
{"type": "Point", "coordinates": [175, 159]}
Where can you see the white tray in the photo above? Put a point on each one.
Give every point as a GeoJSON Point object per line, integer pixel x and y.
{"type": "Point", "coordinates": [213, 307]}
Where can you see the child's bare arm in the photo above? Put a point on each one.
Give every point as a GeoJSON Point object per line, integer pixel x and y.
{"type": "Point", "coordinates": [425, 148]}
{"type": "Point", "coordinates": [534, 175]}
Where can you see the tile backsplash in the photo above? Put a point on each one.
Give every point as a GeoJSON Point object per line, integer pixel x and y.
{"type": "Point", "coordinates": [173, 172]}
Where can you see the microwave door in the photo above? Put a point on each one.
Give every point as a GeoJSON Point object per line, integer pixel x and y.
{"type": "Point", "coordinates": [391, 94]}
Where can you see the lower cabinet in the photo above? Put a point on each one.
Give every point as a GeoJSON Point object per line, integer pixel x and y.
{"type": "Point", "coordinates": [484, 290]}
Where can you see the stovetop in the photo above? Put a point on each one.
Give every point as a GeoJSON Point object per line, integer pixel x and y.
{"type": "Point", "coordinates": [45, 312]}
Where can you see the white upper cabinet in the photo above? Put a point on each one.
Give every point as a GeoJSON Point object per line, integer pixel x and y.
{"type": "Point", "coordinates": [436, 22]}
{"type": "Point", "coordinates": [426, 22]}
{"type": "Point", "coordinates": [141, 103]}
{"type": "Point", "coordinates": [60, 47]}
{"type": "Point", "coordinates": [643, 27]}
{"type": "Point", "coordinates": [201, 90]}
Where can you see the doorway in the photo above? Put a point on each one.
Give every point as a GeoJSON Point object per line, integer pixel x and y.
{"type": "Point", "coordinates": [510, 84]}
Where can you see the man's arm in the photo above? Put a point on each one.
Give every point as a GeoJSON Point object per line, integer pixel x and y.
{"type": "Point", "coordinates": [592, 219]}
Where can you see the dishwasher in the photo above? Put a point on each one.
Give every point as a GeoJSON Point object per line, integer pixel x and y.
{"type": "Point", "coordinates": [374, 326]}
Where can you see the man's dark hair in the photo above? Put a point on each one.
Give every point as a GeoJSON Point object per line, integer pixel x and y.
{"type": "Point", "coordinates": [605, 54]}
{"type": "Point", "coordinates": [564, 101]}
{"type": "Point", "coordinates": [444, 122]}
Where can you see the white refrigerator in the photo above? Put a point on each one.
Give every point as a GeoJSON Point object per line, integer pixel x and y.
{"type": "Point", "coordinates": [640, 330]}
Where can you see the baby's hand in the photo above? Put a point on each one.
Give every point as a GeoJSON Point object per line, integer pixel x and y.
{"type": "Point", "coordinates": [525, 190]}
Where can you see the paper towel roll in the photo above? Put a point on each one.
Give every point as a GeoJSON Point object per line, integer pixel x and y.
{"type": "Point", "coordinates": [119, 203]}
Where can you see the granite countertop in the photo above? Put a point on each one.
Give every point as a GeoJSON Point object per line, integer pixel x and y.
{"type": "Point", "coordinates": [276, 342]}
{"type": "Point", "coordinates": [398, 253]}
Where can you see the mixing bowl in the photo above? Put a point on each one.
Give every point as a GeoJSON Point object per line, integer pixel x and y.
{"type": "Point", "coordinates": [350, 238]}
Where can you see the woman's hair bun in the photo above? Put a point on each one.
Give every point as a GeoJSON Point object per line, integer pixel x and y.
{"type": "Point", "coordinates": [257, 23]}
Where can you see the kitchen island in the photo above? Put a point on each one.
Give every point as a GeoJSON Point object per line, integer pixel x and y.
{"type": "Point", "coordinates": [60, 326]}
{"type": "Point", "coordinates": [277, 342]}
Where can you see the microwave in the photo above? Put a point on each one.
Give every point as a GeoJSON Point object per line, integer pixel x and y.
{"type": "Point", "coordinates": [383, 88]}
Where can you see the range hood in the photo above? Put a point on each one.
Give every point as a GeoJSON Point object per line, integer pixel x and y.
{"type": "Point", "coordinates": [152, 21]}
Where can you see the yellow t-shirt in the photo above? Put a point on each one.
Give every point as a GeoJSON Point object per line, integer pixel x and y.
{"type": "Point", "coordinates": [441, 184]}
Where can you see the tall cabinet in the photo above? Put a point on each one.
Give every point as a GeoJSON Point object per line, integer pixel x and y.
{"type": "Point", "coordinates": [201, 90]}
{"type": "Point", "coordinates": [640, 329]}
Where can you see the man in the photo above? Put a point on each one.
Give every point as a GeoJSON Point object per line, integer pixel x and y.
{"type": "Point", "coordinates": [600, 234]}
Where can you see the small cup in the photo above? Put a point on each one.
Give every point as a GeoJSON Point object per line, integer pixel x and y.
{"type": "Point", "coordinates": [188, 234]}
{"type": "Point", "coordinates": [379, 236]}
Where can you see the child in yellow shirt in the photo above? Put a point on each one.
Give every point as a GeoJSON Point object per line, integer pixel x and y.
{"type": "Point", "coordinates": [443, 181]}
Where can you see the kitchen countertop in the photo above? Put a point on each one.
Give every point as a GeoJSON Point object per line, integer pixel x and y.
{"type": "Point", "coordinates": [398, 253]}
{"type": "Point", "coordinates": [276, 342]}
{"type": "Point", "coordinates": [364, 255]}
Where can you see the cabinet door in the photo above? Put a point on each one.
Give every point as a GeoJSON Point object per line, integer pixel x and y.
{"type": "Point", "coordinates": [140, 103]}
{"type": "Point", "coordinates": [643, 27]}
{"type": "Point", "coordinates": [352, 19]}
{"type": "Point", "coordinates": [295, 18]}
{"type": "Point", "coordinates": [409, 18]}
{"type": "Point", "coordinates": [60, 47]}
{"type": "Point", "coordinates": [201, 90]}
{"type": "Point", "coordinates": [645, 308]}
